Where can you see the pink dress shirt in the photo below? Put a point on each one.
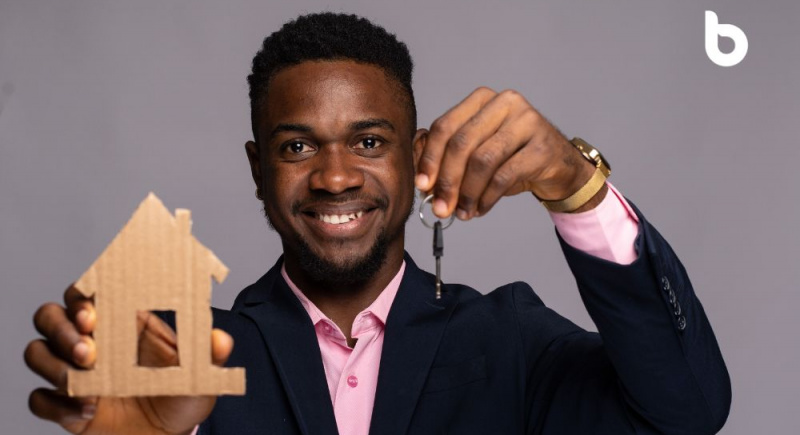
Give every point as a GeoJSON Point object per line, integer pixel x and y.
{"type": "Point", "coordinates": [608, 231]}
{"type": "Point", "coordinates": [352, 373]}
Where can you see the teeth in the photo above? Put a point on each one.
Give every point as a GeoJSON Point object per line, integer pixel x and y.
{"type": "Point", "coordinates": [339, 219]}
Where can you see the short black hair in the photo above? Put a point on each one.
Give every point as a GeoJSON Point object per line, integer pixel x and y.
{"type": "Point", "coordinates": [330, 36]}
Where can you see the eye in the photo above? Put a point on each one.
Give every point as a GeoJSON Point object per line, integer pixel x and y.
{"type": "Point", "coordinates": [297, 147]}
{"type": "Point", "coordinates": [369, 143]}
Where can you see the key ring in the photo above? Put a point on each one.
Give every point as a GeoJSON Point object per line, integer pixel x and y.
{"type": "Point", "coordinates": [428, 199]}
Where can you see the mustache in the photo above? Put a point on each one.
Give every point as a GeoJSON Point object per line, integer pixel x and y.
{"type": "Point", "coordinates": [379, 202]}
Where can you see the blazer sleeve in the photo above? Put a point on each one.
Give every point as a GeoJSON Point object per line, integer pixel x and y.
{"type": "Point", "coordinates": [655, 366]}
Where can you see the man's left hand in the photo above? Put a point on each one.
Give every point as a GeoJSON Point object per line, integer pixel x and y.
{"type": "Point", "coordinates": [493, 145]}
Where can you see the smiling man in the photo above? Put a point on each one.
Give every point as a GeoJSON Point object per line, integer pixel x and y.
{"type": "Point", "coordinates": [344, 334]}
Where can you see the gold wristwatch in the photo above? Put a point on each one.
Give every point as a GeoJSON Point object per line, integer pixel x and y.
{"type": "Point", "coordinates": [590, 189]}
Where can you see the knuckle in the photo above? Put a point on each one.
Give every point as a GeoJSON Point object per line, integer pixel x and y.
{"type": "Point", "coordinates": [504, 138]}
{"type": "Point", "coordinates": [459, 142]}
{"type": "Point", "coordinates": [502, 179]}
{"type": "Point", "coordinates": [482, 161]}
{"type": "Point", "coordinates": [530, 116]}
{"type": "Point", "coordinates": [44, 313]}
{"type": "Point", "coordinates": [427, 160]}
{"type": "Point", "coordinates": [31, 350]}
{"type": "Point", "coordinates": [33, 401]}
{"type": "Point", "coordinates": [475, 121]}
{"type": "Point", "coordinates": [485, 90]}
{"type": "Point", "coordinates": [441, 125]}
{"type": "Point", "coordinates": [37, 403]}
{"type": "Point", "coordinates": [511, 95]}
{"type": "Point", "coordinates": [445, 185]}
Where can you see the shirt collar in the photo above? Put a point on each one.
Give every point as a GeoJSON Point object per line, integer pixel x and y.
{"type": "Point", "coordinates": [379, 308]}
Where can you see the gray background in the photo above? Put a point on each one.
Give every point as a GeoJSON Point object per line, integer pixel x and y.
{"type": "Point", "coordinates": [101, 102]}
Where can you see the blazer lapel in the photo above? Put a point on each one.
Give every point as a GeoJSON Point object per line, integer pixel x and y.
{"type": "Point", "coordinates": [292, 342]}
{"type": "Point", "coordinates": [414, 328]}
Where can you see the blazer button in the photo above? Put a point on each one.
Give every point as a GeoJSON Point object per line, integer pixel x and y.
{"type": "Point", "coordinates": [677, 309]}
{"type": "Point", "coordinates": [681, 323]}
{"type": "Point", "coordinates": [672, 297]}
{"type": "Point", "coordinates": [665, 284]}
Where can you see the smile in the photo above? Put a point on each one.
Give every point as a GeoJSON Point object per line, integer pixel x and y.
{"type": "Point", "coordinates": [340, 218]}
{"type": "Point", "coordinates": [337, 221]}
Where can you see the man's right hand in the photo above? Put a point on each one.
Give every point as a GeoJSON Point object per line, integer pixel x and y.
{"type": "Point", "coordinates": [67, 343]}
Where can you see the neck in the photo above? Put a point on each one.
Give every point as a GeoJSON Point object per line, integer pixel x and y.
{"type": "Point", "coordinates": [342, 302]}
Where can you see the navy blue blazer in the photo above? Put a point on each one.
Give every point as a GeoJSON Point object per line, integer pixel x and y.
{"type": "Point", "coordinates": [501, 363]}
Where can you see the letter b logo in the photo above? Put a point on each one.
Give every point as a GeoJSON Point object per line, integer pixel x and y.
{"type": "Point", "coordinates": [713, 30]}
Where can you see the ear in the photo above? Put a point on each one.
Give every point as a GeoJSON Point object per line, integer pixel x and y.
{"type": "Point", "coordinates": [420, 140]}
{"type": "Point", "coordinates": [254, 157]}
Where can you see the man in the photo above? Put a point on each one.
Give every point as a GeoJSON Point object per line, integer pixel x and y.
{"type": "Point", "coordinates": [344, 333]}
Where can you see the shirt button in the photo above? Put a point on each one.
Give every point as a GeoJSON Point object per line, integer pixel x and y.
{"type": "Point", "coordinates": [327, 328]}
{"type": "Point", "coordinates": [352, 381]}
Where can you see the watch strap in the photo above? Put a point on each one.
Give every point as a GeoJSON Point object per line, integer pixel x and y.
{"type": "Point", "coordinates": [579, 198]}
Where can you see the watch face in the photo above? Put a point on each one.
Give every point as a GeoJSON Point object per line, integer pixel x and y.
{"type": "Point", "coordinates": [592, 154]}
{"type": "Point", "coordinates": [602, 159]}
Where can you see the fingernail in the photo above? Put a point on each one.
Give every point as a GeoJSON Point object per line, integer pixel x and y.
{"type": "Point", "coordinates": [87, 411]}
{"type": "Point", "coordinates": [439, 207]}
{"type": "Point", "coordinates": [462, 214]}
{"type": "Point", "coordinates": [80, 351]}
{"type": "Point", "coordinates": [422, 181]}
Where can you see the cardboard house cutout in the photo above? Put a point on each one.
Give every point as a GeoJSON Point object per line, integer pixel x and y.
{"type": "Point", "coordinates": [154, 263]}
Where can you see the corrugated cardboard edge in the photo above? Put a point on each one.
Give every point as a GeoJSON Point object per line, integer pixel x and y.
{"type": "Point", "coordinates": [153, 263]}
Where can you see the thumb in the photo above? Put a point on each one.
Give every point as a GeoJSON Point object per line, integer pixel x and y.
{"type": "Point", "coordinates": [221, 346]}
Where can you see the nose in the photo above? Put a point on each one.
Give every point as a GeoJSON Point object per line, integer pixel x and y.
{"type": "Point", "coordinates": [337, 170]}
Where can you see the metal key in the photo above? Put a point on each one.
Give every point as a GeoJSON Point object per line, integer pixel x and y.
{"type": "Point", "coordinates": [438, 251]}
{"type": "Point", "coordinates": [438, 242]}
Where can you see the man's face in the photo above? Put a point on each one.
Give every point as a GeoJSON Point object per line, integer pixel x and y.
{"type": "Point", "coordinates": [334, 165]}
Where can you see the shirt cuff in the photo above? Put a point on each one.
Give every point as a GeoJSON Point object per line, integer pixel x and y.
{"type": "Point", "coordinates": [608, 231]}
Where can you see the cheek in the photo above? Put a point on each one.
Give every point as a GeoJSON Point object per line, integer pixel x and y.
{"type": "Point", "coordinates": [280, 189]}
{"type": "Point", "coordinates": [401, 181]}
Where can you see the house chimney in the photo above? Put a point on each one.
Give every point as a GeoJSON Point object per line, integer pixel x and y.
{"type": "Point", "coordinates": [184, 219]}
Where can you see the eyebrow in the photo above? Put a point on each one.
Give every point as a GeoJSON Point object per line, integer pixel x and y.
{"type": "Point", "coordinates": [280, 128]}
{"type": "Point", "coordinates": [354, 126]}
{"type": "Point", "coordinates": [372, 123]}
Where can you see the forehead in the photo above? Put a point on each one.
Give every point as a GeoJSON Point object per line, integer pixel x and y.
{"type": "Point", "coordinates": [327, 94]}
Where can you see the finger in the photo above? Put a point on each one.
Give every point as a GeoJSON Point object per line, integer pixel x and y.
{"type": "Point", "coordinates": [503, 182]}
{"type": "Point", "coordinates": [460, 146]}
{"type": "Point", "coordinates": [487, 158]}
{"type": "Point", "coordinates": [440, 132]}
{"type": "Point", "coordinates": [80, 310]}
{"type": "Point", "coordinates": [41, 361]}
{"type": "Point", "coordinates": [158, 343]}
{"type": "Point", "coordinates": [69, 412]}
{"type": "Point", "coordinates": [62, 336]}
{"type": "Point", "coordinates": [221, 346]}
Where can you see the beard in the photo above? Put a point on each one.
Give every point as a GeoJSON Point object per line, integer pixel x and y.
{"type": "Point", "coordinates": [347, 274]}
{"type": "Point", "coordinates": [352, 272]}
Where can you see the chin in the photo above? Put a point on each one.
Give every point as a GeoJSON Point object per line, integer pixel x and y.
{"type": "Point", "coordinates": [336, 271]}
